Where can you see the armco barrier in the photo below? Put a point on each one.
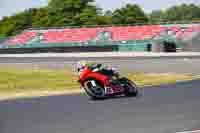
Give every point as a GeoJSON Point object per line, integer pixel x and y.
{"type": "Point", "coordinates": [128, 47]}
{"type": "Point", "coordinates": [101, 46]}
{"type": "Point", "coordinates": [70, 44]}
{"type": "Point", "coordinates": [59, 49]}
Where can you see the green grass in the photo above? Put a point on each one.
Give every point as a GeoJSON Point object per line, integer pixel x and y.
{"type": "Point", "coordinates": [151, 79]}
{"type": "Point", "coordinates": [23, 82]}
{"type": "Point", "coordinates": [35, 79]}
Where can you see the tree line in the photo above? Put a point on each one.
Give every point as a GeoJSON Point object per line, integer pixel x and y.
{"type": "Point", "coordinates": [61, 13]}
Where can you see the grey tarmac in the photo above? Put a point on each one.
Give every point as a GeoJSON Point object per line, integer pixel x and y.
{"type": "Point", "coordinates": [137, 64]}
{"type": "Point", "coordinates": [161, 109]}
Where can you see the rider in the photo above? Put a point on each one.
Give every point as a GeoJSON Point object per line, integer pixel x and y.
{"type": "Point", "coordinates": [96, 67]}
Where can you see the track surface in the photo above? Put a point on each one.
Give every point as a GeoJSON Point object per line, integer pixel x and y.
{"type": "Point", "coordinates": [179, 65]}
{"type": "Point", "coordinates": [165, 109]}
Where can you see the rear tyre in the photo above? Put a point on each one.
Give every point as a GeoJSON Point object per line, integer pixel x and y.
{"type": "Point", "coordinates": [94, 89]}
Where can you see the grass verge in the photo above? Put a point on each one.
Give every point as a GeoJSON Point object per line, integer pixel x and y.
{"type": "Point", "coordinates": [16, 82]}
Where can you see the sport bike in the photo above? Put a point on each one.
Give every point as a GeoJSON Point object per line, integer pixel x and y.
{"type": "Point", "coordinates": [103, 83]}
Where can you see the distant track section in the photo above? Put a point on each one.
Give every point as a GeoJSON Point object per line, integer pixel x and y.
{"type": "Point", "coordinates": [176, 64]}
{"type": "Point", "coordinates": [107, 54]}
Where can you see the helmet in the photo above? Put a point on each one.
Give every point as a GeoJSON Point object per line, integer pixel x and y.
{"type": "Point", "coordinates": [81, 65]}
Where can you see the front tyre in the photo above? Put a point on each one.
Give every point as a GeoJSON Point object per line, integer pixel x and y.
{"type": "Point", "coordinates": [94, 89]}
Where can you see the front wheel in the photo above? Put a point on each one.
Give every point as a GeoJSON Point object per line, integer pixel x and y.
{"type": "Point", "coordinates": [94, 89]}
{"type": "Point", "coordinates": [130, 88]}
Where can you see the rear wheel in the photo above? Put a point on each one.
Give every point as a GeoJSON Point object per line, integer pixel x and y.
{"type": "Point", "coordinates": [94, 89]}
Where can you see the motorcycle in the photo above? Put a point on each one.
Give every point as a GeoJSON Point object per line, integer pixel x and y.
{"type": "Point", "coordinates": [103, 83]}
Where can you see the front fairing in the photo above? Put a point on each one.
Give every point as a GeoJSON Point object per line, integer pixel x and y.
{"type": "Point", "coordinates": [84, 74]}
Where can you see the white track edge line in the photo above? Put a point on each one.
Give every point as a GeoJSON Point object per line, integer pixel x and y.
{"type": "Point", "coordinates": [195, 131]}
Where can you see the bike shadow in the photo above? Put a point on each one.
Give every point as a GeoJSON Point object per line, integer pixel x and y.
{"type": "Point", "coordinates": [140, 95]}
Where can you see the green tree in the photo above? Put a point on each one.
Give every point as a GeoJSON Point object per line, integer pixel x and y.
{"type": "Point", "coordinates": [14, 24]}
{"type": "Point", "coordinates": [71, 12]}
{"type": "Point", "coordinates": [130, 14]}
{"type": "Point", "coordinates": [41, 18]}
{"type": "Point", "coordinates": [184, 12]}
{"type": "Point", "coordinates": [108, 13]}
{"type": "Point", "coordinates": [156, 16]}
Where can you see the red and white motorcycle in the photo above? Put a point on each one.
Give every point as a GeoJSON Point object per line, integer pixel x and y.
{"type": "Point", "coordinates": [103, 83]}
